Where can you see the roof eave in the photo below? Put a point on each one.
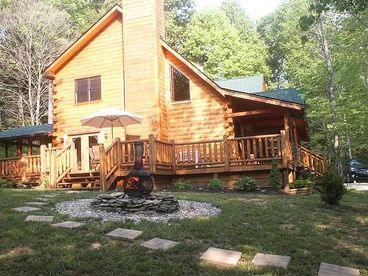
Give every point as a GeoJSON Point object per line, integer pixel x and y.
{"type": "Point", "coordinates": [264, 99]}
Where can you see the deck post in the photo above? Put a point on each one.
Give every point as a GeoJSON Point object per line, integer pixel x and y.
{"type": "Point", "coordinates": [152, 153]}
{"type": "Point", "coordinates": [119, 155]}
{"type": "Point", "coordinates": [173, 156]}
{"type": "Point", "coordinates": [43, 160]}
{"type": "Point", "coordinates": [23, 165]}
{"type": "Point", "coordinates": [102, 167]}
{"type": "Point", "coordinates": [53, 170]}
{"type": "Point", "coordinates": [283, 149]}
{"type": "Point", "coordinates": [226, 154]}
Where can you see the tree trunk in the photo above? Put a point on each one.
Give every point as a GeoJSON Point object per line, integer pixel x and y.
{"type": "Point", "coordinates": [50, 105]}
{"type": "Point", "coordinates": [331, 93]}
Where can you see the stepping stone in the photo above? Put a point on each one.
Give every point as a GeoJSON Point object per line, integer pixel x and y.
{"type": "Point", "coordinates": [334, 270]}
{"type": "Point", "coordinates": [40, 218]}
{"type": "Point", "coordinates": [42, 199]}
{"type": "Point", "coordinates": [36, 203]}
{"type": "Point", "coordinates": [271, 260]}
{"type": "Point", "coordinates": [221, 256]}
{"type": "Point", "coordinates": [74, 192]}
{"type": "Point", "coordinates": [26, 209]}
{"type": "Point", "coordinates": [50, 195]}
{"type": "Point", "coordinates": [68, 224]}
{"type": "Point", "coordinates": [96, 245]}
{"type": "Point", "coordinates": [124, 234]}
{"type": "Point", "coordinates": [159, 244]}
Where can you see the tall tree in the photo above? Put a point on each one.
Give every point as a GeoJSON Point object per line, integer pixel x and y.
{"type": "Point", "coordinates": [178, 14]}
{"type": "Point", "coordinates": [33, 34]}
{"type": "Point", "coordinates": [215, 44]}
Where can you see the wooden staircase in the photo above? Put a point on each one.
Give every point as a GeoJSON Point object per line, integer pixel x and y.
{"type": "Point", "coordinates": [81, 180]}
{"type": "Point", "coordinates": [309, 161]}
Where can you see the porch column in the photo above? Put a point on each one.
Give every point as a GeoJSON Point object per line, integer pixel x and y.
{"type": "Point", "coordinates": [288, 175]}
{"type": "Point", "coordinates": [287, 136]}
{"type": "Point", "coordinates": [29, 148]}
{"type": "Point", "coordinates": [19, 148]}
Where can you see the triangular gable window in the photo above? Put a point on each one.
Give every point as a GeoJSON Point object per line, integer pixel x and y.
{"type": "Point", "coordinates": [179, 86]}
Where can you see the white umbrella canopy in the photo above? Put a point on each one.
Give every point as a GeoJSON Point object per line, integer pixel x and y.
{"type": "Point", "coordinates": [111, 117]}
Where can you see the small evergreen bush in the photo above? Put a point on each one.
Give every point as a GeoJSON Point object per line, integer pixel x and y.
{"type": "Point", "coordinates": [332, 187]}
{"type": "Point", "coordinates": [183, 185]}
{"type": "Point", "coordinates": [7, 183]}
{"type": "Point", "coordinates": [247, 184]}
{"type": "Point", "coordinates": [216, 185]}
{"type": "Point", "coordinates": [275, 174]}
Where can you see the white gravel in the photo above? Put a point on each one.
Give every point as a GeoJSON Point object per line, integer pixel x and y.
{"type": "Point", "coordinates": [82, 208]}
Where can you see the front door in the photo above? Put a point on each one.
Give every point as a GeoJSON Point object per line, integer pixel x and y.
{"type": "Point", "coordinates": [83, 144]}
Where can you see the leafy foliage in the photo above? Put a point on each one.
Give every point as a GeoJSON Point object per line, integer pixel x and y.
{"type": "Point", "coordinates": [216, 185]}
{"type": "Point", "coordinates": [332, 187]}
{"type": "Point", "coordinates": [7, 183]}
{"type": "Point", "coordinates": [301, 183]}
{"type": "Point", "coordinates": [247, 184]}
{"type": "Point", "coordinates": [183, 185]}
{"type": "Point", "coordinates": [217, 41]}
{"type": "Point", "coordinates": [275, 174]}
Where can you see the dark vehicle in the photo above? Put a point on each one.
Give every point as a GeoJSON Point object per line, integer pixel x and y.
{"type": "Point", "coordinates": [356, 170]}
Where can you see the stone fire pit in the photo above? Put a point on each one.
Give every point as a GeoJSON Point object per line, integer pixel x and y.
{"type": "Point", "coordinates": [121, 202]}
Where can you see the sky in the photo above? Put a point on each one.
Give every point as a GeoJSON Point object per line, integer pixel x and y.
{"type": "Point", "coordinates": [254, 8]}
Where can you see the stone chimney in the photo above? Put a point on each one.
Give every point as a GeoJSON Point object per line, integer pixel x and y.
{"type": "Point", "coordinates": [144, 66]}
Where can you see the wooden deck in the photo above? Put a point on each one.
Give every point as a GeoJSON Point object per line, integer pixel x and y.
{"type": "Point", "coordinates": [162, 158]}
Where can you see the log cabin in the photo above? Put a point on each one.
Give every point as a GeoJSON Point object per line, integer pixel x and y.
{"type": "Point", "coordinates": [193, 127]}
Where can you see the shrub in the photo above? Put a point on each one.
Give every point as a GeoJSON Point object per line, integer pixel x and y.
{"type": "Point", "coordinates": [247, 184]}
{"type": "Point", "coordinates": [7, 183]}
{"type": "Point", "coordinates": [275, 174]}
{"type": "Point", "coordinates": [301, 183]}
{"type": "Point", "coordinates": [45, 183]}
{"type": "Point", "coordinates": [216, 185]}
{"type": "Point", "coordinates": [183, 185]}
{"type": "Point", "coordinates": [332, 187]}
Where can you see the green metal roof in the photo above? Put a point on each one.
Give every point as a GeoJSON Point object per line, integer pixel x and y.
{"type": "Point", "coordinates": [26, 131]}
{"type": "Point", "coordinates": [289, 94]}
{"type": "Point", "coordinates": [252, 84]}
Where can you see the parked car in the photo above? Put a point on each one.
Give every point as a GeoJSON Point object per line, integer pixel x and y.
{"type": "Point", "coordinates": [356, 170]}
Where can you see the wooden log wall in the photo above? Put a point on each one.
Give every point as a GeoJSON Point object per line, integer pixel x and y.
{"type": "Point", "coordinates": [101, 57]}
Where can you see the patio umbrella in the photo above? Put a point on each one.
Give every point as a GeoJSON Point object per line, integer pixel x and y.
{"type": "Point", "coordinates": [111, 117]}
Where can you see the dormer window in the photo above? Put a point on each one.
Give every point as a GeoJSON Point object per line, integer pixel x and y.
{"type": "Point", "coordinates": [88, 89]}
{"type": "Point", "coordinates": [179, 86]}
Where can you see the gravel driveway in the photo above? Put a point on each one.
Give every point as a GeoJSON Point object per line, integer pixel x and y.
{"type": "Point", "coordinates": [357, 186]}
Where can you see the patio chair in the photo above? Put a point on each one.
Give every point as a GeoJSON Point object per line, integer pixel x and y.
{"type": "Point", "coordinates": [94, 154]}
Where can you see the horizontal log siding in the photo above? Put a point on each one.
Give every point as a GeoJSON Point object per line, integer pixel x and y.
{"type": "Point", "coordinates": [102, 56]}
{"type": "Point", "coordinates": [202, 118]}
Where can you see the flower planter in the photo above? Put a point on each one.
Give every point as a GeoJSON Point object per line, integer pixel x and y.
{"type": "Point", "coordinates": [299, 191]}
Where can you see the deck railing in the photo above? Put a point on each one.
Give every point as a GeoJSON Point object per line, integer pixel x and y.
{"type": "Point", "coordinates": [11, 167]}
{"type": "Point", "coordinates": [312, 161]}
{"type": "Point", "coordinates": [22, 168]}
{"type": "Point", "coordinates": [33, 164]}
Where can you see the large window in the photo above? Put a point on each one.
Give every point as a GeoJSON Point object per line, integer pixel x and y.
{"type": "Point", "coordinates": [179, 86]}
{"type": "Point", "coordinates": [88, 89]}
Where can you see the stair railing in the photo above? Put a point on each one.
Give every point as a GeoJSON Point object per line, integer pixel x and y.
{"type": "Point", "coordinates": [311, 161]}
{"type": "Point", "coordinates": [61, 162]}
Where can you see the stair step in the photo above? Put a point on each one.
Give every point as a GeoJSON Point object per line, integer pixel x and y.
{"type": "Point", "coordinates": [84, 174]}
{"type": "Point", "coordinates": [81, 179]}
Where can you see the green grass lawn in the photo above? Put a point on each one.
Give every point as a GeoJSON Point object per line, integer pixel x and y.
{"type": "Point", "coordinates": [297, 226]}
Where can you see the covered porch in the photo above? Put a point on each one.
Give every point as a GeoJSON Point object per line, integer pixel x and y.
{"type": "Point", "coordinates": [20, 152]}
